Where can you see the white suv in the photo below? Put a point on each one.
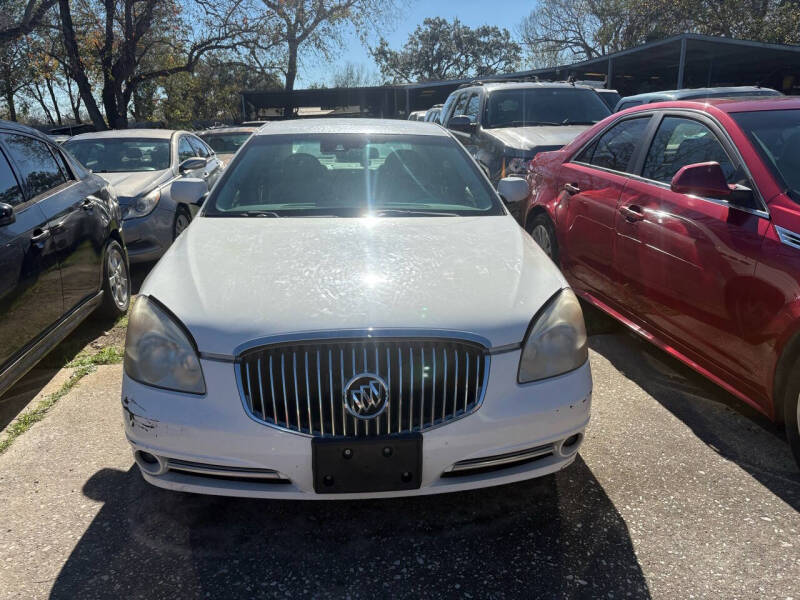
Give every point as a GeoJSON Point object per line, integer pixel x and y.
{"type": "Point", "coordinates": [353, 314]}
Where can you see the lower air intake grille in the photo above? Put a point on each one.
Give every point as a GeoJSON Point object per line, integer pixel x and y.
{"type": "Point", "coordinates": [300, 386]}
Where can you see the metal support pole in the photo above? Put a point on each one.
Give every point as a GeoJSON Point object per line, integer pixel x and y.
{"type": "Point", "coordinates": [244, 111]}
{"type": "Point", "coordinates": [610, 74]}
{"type": "Point", "coordinates": [408, 102]}
{"type": "Point", "coordinates": [682, 65]}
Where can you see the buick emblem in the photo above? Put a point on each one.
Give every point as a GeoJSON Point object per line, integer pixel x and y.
{"type": "Point", "coordinates": [366, 396]}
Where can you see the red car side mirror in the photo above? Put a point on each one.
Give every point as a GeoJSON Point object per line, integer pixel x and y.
{"type": "Point", "coordinates": [701, 179]}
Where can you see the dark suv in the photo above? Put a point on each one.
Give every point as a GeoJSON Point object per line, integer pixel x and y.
{"type": "Point", "coordinates": [504, 125]}
{"type": "Point", "coordinates": [61, 251]}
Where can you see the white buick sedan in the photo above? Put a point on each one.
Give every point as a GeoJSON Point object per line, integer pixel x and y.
{"type": "Point", "coordinates": [353, 314]}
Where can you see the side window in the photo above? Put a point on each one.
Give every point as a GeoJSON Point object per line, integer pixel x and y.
{"type": "Point", "coordinates": [10, 193]}
{"type": "Point", "coordinates": [472, 107]}
{"type": "Point", "coordinates": [199, 147]}
{"type": "Point", "coordinates": [679, 142]}
{"type": "Point", "coordinates": [614, 149]}
{"type": "Point", "coordinates": [460, 104]}
{"type": "Point", "coordinates": [63, 164]}
{"type": "Point", "coordinates": [36, 164]}
{"type": "Point", "coordinates": [447, 105]}
{"type": "Point", "coordinates": [185, 149]}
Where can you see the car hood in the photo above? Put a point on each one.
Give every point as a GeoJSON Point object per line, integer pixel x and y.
{"type": "Point", "coordinates": [527, 138]}
{"type": "Point", "coordinates": [235, 280]}
{"type": "Point", "coordinates": [131, 185]}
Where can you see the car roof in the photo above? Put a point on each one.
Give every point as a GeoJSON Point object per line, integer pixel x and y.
{"type": "Point", "coordinates": [726, 105]}
{"type": "Point", "coordinates": [129, 133]}
{"type": "Point", "coordinates": [213, 130]}
{"type": "Point", "coordinates": [699, 92]}
{"type": "Point", "coordinates": [491, 86]}
{"type": "Point", "coordinates": [13, 126]}
{"type": "Point", "coordinates": [354, 125]}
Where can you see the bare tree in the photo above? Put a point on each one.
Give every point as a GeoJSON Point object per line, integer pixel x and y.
{"type": "Point", "coordinates": [316, 26]}
{"type": "Point", "coordinates": [145, 40]}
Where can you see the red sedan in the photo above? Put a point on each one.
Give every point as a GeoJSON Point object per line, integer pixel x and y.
{"type": "Point", "coordinates": [682, 220]}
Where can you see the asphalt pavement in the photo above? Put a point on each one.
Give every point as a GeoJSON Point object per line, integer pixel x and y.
{"type": "Point", "coordinates": [680, 491]}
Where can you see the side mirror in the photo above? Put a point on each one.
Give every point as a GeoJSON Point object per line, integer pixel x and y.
{"type": "Point", "coordinates": [190, 190]}
{"type": "Point", "coordinates": [513, 189]}
{"type": "Point", "coordinates": [192, 164]}
{"type": "Point", "coordinates": [6, 214]}
{"type": "Point", "coordinates": [701, 179]}
{"type": "Point", "coordinates": [461, 123]}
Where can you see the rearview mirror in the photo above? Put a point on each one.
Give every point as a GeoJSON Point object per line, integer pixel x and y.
{"type": "Point", "coordinates": [6, 214]}
{"type": "Point", "coordinates": [701, 179]}
{"type": "Point", "coordinates": [461, 123]}
{"type": "Point", "coordinates": [192, 164]}
{"type": "Point", "coordinates": [512, 189]}
{"type": "Point", "coordinates": [190, 190]}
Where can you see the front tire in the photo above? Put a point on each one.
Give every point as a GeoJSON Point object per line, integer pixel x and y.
{"type": "Point", "coordinates": [182, 220]}
{"type": "Point", "coordinates": [791, 412]}
{"type": "Point", "coordinates": [544, 234]}
{"type": "Point", "coordinates": [116, 282]}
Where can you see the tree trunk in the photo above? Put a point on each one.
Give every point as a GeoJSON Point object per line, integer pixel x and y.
{"type": "Point", "coordinates": [76, 68]}
{"type": "Point", "coordinates": [12, 109]}
{"type": "Point", "coordinates": [291, 75]}
{"type": "Point", "coordinates": [49, 83]}
{"type": "Point", "coordinates": [39, 96]}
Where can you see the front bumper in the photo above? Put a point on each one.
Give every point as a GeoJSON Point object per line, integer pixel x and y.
{"type": "Point", "coordinates": [240, 457]}
{"type": "Point", "coordinates": [148, 237]}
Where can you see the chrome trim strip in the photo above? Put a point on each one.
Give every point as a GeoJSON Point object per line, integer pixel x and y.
{"type": "Point", "coordinates": [344, 334]}
{"type": "Point", "coordinates": [222, 471]}
{"type": "Point", "coordinates": [788, 237]}
{"type": "Point", "coordinates": [501, 459]}
{"type": "Point", "coordinates": [454, 416]}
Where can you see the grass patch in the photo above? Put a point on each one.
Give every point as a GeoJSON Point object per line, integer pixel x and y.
{"type": "Point", "coordinates": [110, 355]}
{"type": "Point", "coordinates": [26, 420]}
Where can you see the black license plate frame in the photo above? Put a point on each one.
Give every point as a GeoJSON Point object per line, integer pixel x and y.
{"type": "Point", "coordinates": [377, 464]}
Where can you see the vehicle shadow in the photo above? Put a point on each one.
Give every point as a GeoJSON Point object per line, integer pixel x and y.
{"type": "Point", "coordinates": [559, 536]}
{"type": "Point", "coordinates": [733, 429]}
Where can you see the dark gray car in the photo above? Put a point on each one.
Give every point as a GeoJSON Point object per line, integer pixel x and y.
{"type": "Point", "coordinates": [693, 94]}
{"type": "Point", "coordinates": [142, 164]}
{"type": "Point", "coordinates": [504, 125]}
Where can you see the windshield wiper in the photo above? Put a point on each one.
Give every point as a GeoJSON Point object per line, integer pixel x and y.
{"type": "Point", "coordinates": [411, 213]}
{"type": "Point", "coordinates": [568, 122]}
{"type": "Point", "coordinates": [262, 213]}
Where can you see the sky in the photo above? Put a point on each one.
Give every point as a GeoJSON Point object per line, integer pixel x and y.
{"type": "Point", "coordinates": [471, 12]}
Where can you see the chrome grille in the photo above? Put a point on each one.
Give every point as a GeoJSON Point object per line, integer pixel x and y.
{"type": "Point", "coordinates": [299, 386]}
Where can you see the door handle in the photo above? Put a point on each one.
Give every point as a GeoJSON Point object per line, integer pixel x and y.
{"type": "Point", "coordinates": [38, 238]}
{"type": "Point", "coordinates": [632, 213]}
{"type": "Point", "coordinates": [571, 188]}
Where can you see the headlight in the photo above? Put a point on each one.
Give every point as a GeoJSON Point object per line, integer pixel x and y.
{"type": "Point", "coordinates": [556, 343]}
{"type": "Point", "coordinates": [158, 351]}
{"type": "Point", "coordinates": [516, 166]}
{"type": "Point", "coordinates": [143, 205]}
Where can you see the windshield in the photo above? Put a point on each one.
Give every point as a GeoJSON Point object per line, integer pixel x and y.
{"type": "Point", "coordinates": [524, 107]}
{"type": "Point", "coordinates": [776, 136]}
{"type": "Point", "coordinates": [121, 155]}
{"type": "Point", "coordinates": [225, 143]}
{"type": "Point", "coordinates": [346, 175]}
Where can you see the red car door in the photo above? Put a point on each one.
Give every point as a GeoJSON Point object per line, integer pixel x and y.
{"type": "Point", "coordinates": [686, 263]}
{"type": "Point", "coordinates": [591, 185]}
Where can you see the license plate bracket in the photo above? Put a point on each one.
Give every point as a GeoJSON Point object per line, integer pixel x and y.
{"type": "Point", "coordinates": [380, 464]}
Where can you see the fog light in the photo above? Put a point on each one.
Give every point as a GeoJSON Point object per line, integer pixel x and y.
{"type": "Point", "coordinates": [149, 463]}
{"type": "Point", "coordinates": [570, 445]}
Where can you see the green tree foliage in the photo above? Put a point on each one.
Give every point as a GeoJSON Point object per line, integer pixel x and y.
{"type": "Point", "coordinates": [559, 31]}
{"type": "Point", "coordinates": [440, 49]}
{"type": "Point", "coordinates": [210, 92]}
